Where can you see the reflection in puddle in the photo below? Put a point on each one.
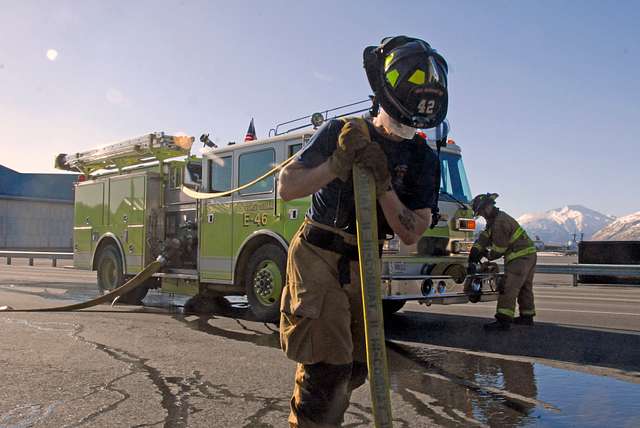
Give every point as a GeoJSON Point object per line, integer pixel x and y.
{"type": "Point", "coordinates": [456, 388]}
{"type": "Point", "coordinates": [588, 400]}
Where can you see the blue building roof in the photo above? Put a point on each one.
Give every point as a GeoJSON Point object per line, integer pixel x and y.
{"type": "Point", "coordinates": [36, 186]}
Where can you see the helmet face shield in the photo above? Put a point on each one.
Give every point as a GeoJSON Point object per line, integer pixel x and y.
{"type": "Point", "coordinates": [395, 127]}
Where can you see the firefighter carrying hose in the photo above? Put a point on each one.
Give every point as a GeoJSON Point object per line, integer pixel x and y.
{"type": "Point", "coordinates": [504, 237]}
{"type": "Point", "coordinates": [321, 324]}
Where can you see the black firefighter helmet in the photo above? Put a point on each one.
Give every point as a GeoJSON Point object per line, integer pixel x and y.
{"type": "Point", "coordinates": [482, 200]}
{"type": "Point", "coordinates": [409, 80]}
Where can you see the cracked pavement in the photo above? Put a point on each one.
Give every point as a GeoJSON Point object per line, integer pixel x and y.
{"type": "Point", "coordinates": [153, 366]}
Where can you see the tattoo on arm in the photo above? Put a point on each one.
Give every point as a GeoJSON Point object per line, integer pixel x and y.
{"type": "Point", "coordinates": [407, 219]}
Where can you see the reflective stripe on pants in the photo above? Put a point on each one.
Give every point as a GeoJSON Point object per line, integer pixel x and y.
{"type": "Point", "coordinates": [520, 253]}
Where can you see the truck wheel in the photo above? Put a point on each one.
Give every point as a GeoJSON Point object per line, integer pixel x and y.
{"type": "Point", "coordinates": [457, 271]}
{"type": "Point", "coordinates": [110, 276]}
{"type": "Point", "coordinates": [264, 280]}
{"type": "Point", "coordinates": [390, 307]}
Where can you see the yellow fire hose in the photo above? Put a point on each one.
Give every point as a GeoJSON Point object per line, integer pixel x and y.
{"type": "Point", "coordinates": [367, 227]}
{"type": "Point", "coordinates": [111, 296]}
{"type": "Point", "coordinates": [203, 195]}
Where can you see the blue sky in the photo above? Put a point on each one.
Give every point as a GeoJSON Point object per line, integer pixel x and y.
{"type": "Point", "coordinates": [543, 95]}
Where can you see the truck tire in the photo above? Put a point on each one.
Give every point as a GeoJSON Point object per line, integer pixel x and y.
{"type": "Point", "coordinates": [264, 280]}
{"type": "Point", "coordinates": [390, 307]}
{"type": "Point", "coordinates": [110, 275]}
{"type": "Point", "coordinates": [457, 271]}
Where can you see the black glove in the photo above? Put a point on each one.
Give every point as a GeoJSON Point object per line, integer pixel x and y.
{"type": "Point", "coordinates": [474, 255]}
{"type": "Point", "coordinates": [471, 269]}
{"type": "Point", "coordinates": [353, 137]}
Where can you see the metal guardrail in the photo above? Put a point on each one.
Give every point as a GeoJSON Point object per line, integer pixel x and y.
{"type": "Point", "coordinates": [543, 268]}
{"type": "Point", "coordinates": [588, 269]}
{"type": "Point", "coordinates": [31, 255]}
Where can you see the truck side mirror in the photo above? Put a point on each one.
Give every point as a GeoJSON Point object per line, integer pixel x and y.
{"type": "Point", "coordinates": [193, 173]}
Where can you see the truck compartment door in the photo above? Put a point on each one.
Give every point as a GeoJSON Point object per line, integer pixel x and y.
{"type": "Point", "coordinates": [126, 218]}
{"type": "Point", "coordinates": [215, 261]}
{"type": "Point", "coordinates": [88, 216]}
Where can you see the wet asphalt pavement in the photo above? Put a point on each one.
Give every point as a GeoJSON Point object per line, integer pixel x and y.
{"type": "Point", "coordinates": [155, 366]}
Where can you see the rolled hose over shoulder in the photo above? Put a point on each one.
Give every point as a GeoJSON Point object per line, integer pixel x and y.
{"type": "Point", "coordinates": [111, 296]}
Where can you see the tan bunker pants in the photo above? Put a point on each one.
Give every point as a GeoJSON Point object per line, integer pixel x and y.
{"type": "Point", "coordinates": [518, 286]}
{"type": "Point", "coordinates": [321, 327]}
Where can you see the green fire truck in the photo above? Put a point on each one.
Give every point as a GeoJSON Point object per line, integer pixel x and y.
{"type": "Point", "coordinates": [131, 206]}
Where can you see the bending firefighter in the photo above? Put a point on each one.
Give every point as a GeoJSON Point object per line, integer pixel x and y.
{"type": "Point", "coordinates": [321, 324]}
{"type": "Point", "coordinates": [504, 237]}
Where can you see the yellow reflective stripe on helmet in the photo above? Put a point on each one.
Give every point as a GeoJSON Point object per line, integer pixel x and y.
{"type": "Point", "coordinates": [518, 233]}
{"type": "Point", "coordinates": [392, 77]}
{"type": "Point", "coordinates": [508, 312]}
{"type": "Point", "coordinates": [520, 253]}
{"type": "Point", "coordinates": [388, 60]}
{"type": "Point", "coordinates": [418, 77]}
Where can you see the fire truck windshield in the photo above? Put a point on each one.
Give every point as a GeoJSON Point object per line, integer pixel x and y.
{"type": "Point", "coordinates": [453, 178]}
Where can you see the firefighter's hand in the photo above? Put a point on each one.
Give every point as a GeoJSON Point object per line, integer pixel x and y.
{"type": "Point", "coordinates": [471, 269]}
{"type": "Point", "coordinates": [352, 139]}
{"type": "Point", "coordinates": [373, 158]}
{"type": "Point", "coordinates": [474, 255]}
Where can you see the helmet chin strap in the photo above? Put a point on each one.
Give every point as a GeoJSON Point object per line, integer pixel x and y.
{"type": "Point", "coordinates": [394, 127]}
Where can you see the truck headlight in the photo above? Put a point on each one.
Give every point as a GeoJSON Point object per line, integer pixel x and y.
{"type": "Point", "coordinates": [466, 224]}
{"type": "Point", "coordinates": [391, 245]}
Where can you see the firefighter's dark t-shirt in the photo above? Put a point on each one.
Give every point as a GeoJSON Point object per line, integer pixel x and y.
{"type": "Point", "coordinates": [412, 166]}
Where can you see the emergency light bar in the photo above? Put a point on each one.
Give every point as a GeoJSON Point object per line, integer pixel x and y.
{"type": "Point", "coordinates": [148, 148]}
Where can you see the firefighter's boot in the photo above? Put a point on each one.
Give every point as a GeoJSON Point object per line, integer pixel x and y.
{"type": "Point", "coordinates": [524, 320]}
{"type": "Point", "coordinates": [502, 323]}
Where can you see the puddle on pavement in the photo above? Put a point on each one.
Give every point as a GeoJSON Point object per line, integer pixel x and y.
{"type": "Point", "coordinates": [455, 388]}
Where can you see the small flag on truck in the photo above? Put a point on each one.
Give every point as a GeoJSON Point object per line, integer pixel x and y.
{"type": "Point", "coordinates": [251, 132]}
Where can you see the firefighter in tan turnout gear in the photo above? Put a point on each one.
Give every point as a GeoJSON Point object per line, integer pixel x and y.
{"type": "Point", "coordinates": [504, 237]}
{"type": "Point", "coordinates": [321, 324]}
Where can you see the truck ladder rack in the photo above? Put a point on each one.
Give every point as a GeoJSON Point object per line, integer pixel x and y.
{"type": "Point", "coordinates": [148, 148]}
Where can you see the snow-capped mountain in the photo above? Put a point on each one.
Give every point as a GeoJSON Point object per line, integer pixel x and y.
{"type": "Point", "coordinates": [625, 228]}
{"type": "Point", "coordinates": [559, 225]}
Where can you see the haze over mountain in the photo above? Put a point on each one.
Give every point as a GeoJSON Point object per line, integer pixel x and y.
{"type": "Point", "coordinates": [625, 228]}
{"type": "Point", "coordinates": [559, 225]}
